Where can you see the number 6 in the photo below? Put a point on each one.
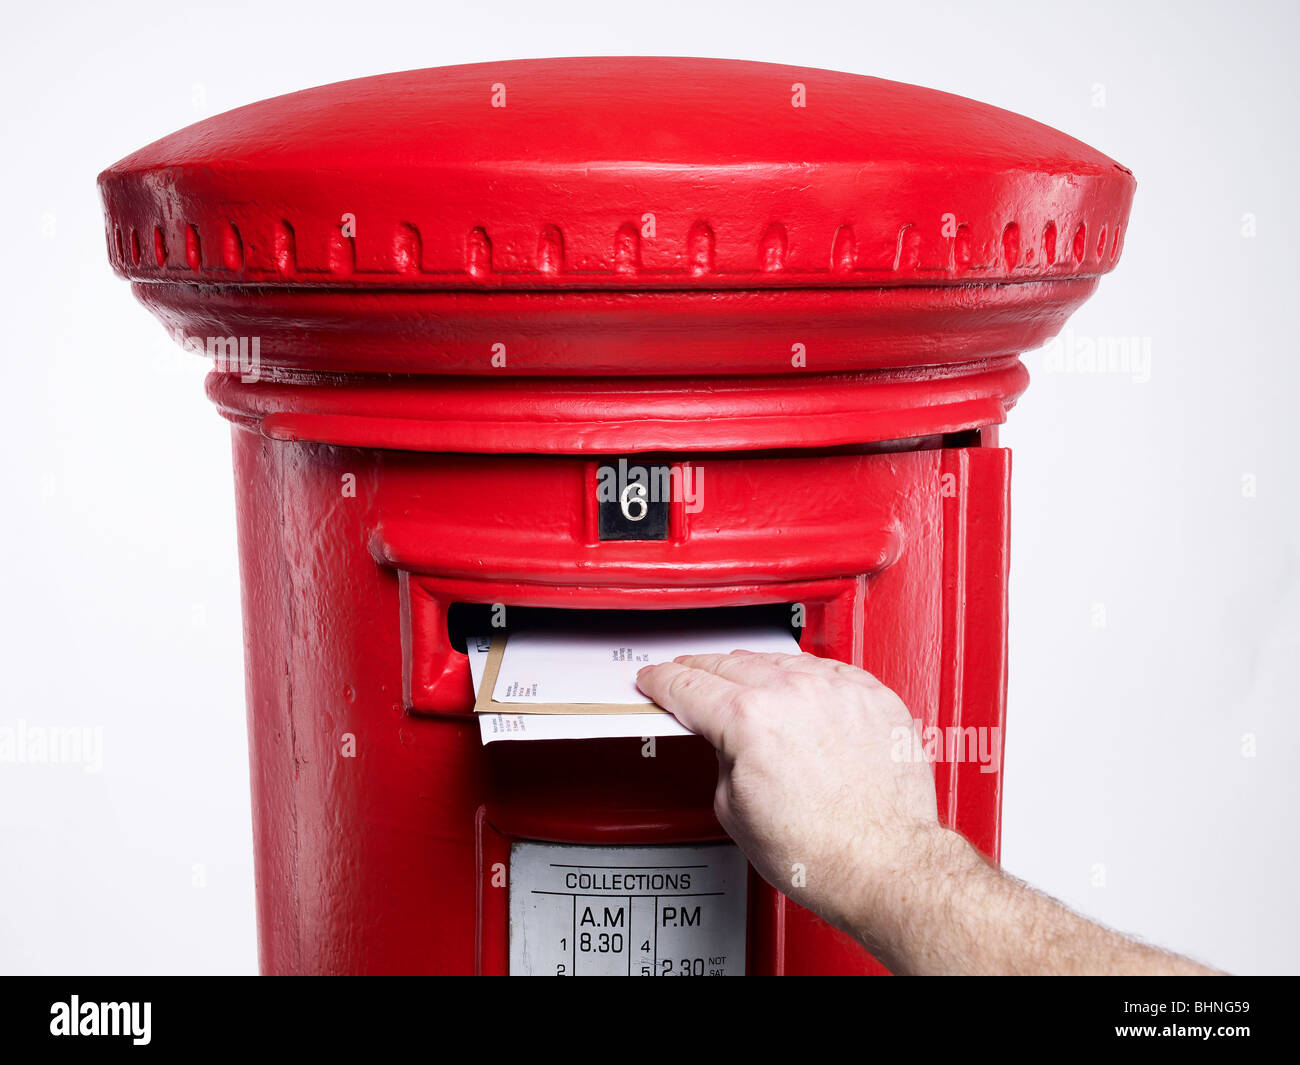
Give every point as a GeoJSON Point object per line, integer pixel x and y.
{"type": "Point", "coordinates": [633, 497]}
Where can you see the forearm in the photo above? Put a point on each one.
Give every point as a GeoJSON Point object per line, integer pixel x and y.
{"type": "Point", "coordinates": [950, 912]}
{"type": "Point", "coordinates": [809, 777]}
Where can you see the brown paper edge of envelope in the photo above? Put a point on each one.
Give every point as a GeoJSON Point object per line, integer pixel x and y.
{"type": "Point", "coordinates": [485, 704]}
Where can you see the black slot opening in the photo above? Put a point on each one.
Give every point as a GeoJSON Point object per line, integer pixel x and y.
{"type": "Point", "coordinates": [477, 619]}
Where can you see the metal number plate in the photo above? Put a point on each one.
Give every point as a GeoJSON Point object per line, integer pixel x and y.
{"type": "Point", "coordinates": [632, 501]}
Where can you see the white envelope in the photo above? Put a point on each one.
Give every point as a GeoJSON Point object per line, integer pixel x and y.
{"type": "Point", "coordinates": [548, 666]}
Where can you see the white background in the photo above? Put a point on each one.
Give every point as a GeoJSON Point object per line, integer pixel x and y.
{"type": "Point", "coordinates": [1127, 794]}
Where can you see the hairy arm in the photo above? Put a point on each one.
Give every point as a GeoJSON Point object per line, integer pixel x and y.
{"type": "Point", "coordinates": [810, 785]}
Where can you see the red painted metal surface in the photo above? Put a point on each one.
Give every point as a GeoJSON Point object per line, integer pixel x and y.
{"type": "Point", "coordinates": [813, 286]}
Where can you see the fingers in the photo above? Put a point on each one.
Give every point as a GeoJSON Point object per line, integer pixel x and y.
{"type": "Point", "coordinates": [700, 700]}
{"type": "Point", "coordinates": [702, 691]}
{"type": "Point", "coordinates": [757, 670]}
{"type": "Point", "coordinates": [750, 670]}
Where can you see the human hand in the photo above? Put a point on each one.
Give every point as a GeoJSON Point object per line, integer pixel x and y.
{"type": "Point", "coordinates": [820, 793]}
{"type": "Point", "coordinates": [809, 784]}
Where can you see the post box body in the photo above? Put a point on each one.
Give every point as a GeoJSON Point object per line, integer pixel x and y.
{"type": "Point", "coordinates": [427, 429]}
{"type": "Point", "coordinates": [385, 863]}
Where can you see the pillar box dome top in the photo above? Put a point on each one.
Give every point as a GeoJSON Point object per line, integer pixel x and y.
{"type": "Point", "coordinates": [648, 216]}
{"type": "Point", "coordinates": [537, 174]}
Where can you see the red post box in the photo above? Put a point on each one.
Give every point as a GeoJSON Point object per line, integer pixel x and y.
{"type": "Point", "coordinates": [440, 302]}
